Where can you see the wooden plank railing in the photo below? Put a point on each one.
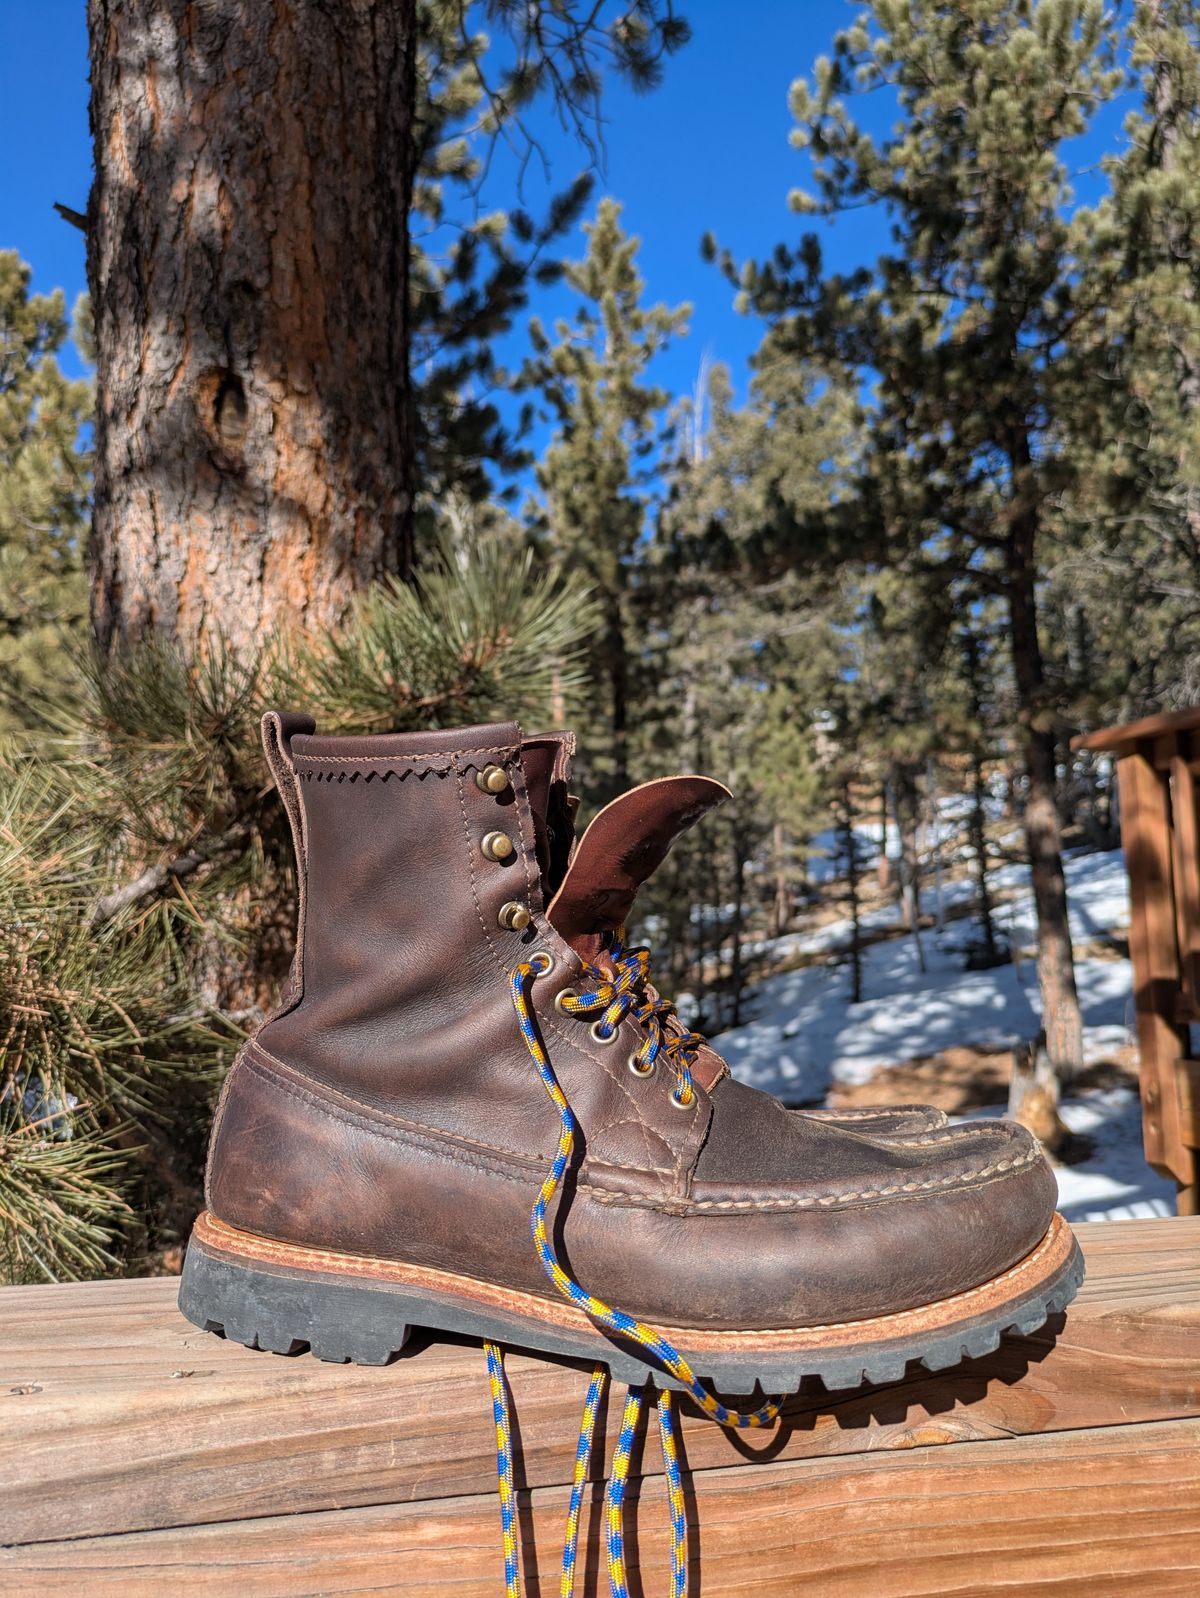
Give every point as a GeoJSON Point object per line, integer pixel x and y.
{"type": "Point", "coordinates": [138, 1455]}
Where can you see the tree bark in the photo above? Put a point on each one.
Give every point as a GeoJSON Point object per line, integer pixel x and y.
{"type": "Point", "coordinates": [904, 796]}
{"type": "Point", "coordinates": [1061, 1018]}
{"type": "Point", "coordinates": [781, 906]}
{"type": "Point", "coordinates": [845, 828]}
{"type": "Point", "coordinates": [248, 260]}
{"type": "Point", "coordinates": [977, 827]}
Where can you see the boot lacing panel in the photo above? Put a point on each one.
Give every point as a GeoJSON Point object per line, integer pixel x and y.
{"type": "Point", "coordinates": [614, 997]}
{"type": "Point", "coordinates": [628, 992]}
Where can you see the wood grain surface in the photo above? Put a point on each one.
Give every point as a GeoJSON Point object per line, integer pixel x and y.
{"type": "Point", "coordinates": [1108, 1511]}
{"type": "Point", "coordinates": [142, 1454]}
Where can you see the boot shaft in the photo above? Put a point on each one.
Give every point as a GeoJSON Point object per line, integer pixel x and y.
{"type": "Point", "coordinates": [419, 882]}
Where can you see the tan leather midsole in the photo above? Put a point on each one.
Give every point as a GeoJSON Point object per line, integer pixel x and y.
{"type": "Point", "coordinates": [1041, 1265]}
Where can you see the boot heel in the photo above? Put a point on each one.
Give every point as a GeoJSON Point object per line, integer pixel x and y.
{"type": "Point", "coordinates": [287, 1313]}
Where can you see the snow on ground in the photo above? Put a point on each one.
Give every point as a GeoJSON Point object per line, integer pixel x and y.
{"type": "Point", "coordinates": [804, 1036]}
{"type": "Point", "coordinates": [1114, 1183]}
{"type": "Point", "coordinates": [1097, 890]}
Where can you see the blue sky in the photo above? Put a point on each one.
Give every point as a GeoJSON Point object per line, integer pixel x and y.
{"type": "Point", "coordinates": [708, 150]}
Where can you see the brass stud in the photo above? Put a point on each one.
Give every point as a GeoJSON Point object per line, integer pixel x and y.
{"type": "Point", "coordinates": [492, 779]}
{"type": "Point", "coordinates": [513, 917]}
{"type": "Point", "coordinates": [496, 846]}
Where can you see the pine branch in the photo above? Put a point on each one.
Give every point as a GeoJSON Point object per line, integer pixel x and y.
{"type": "Point", "coordinates": [75, 218]}
{"type": "Point", "coordinates": [159, 877]}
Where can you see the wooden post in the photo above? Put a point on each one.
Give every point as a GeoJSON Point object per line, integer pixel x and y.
{"type": "Point", "coordinates": [1156, 761]}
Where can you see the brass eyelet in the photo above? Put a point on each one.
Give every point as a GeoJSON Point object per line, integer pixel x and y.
{"type": "Point", "coordinates": [598, 1037]}
{"type": "Point", "coordinates": [566, 993]}
{"type": "Point", "coordinates": [641, 1067]}
{"type": "Point", "coordinates": [542, 962]}
{"type": "Point", "coordinates": [682, 1103]}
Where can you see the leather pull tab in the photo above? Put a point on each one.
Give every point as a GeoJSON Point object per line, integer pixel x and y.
{"type": "Point", "coordinates": [279, 727]}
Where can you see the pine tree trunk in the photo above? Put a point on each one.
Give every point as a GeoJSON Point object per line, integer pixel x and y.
{"type": "Point", "coordinates": [736, 972]}
{"type": "Point", "coordinates": [781, 908]}
{"type": "Point", "coordinates": [904, 792]}
{"type": "Point", "coordinates": [978, 834]}
{"type": "Point", "coordinates": [1167, 119]}
{"type": "Point", "coordinates": [1061, 1018]}
{"type": "Point", "coordinates": [248, 265]}
{"type": "Point", "coordinates": [850, 845]}
{"type": "Point", "coordinates": [885, 865]}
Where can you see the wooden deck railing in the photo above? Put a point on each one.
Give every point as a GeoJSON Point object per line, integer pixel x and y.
{"type": "Point", "coordinates": [140, 1456]}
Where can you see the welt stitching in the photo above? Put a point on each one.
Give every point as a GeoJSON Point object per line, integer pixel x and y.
{"type": "Point", "coordinates": [1001, 1170]}
{"type": "Point", "coordinates": [895, 1317]}
{"type": "Point", "coordinates": [871, 1114]}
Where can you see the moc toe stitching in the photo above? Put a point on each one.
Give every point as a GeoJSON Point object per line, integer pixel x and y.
{"type": "Point", "coordinates": [776, 1203]}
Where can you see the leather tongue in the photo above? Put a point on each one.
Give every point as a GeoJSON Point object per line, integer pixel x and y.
{"type": "Point", "coordinates": [625, 845]}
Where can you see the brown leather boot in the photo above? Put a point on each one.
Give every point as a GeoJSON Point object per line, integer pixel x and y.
{"type": "Point", "coordinates": [380, 1142]}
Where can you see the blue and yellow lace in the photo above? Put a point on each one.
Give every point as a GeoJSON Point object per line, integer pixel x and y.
{"type": "Point", "coordinates": [612, 996]}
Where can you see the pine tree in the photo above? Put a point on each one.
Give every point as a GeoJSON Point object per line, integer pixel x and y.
{"type": "Point", "coordinates": [471, 270]}
{"type": "Point", "coordinates": [251, 271]}
{"type": "Point", "coordinates": [145, 897]}
{"type": "Point", "coordinates": [1127, 591]}
{"type": "Point", "coordinates": [601, 473]}
{"type": "Point", "coordinates": [968, 320]}
{"type": "Point", "coordinates": [741, 671]}
{"type": "Point", "coordinates": [44, 479]}
{"type": "Point", "coordinates": [101, 1043]}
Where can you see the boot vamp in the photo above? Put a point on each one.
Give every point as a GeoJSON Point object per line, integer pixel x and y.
{"type": "Point", "coordinates": [755, 1141]}
{"type": "Point", "coordinates": [792, 1221]}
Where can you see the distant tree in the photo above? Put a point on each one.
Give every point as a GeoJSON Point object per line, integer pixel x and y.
{"type": "Point", "coordinates": [975, 734]}
{"type": "Point", "coordinates": [44, 481]}
{"type": "Point", "coordinates": [968, 324]}
{"type": "Point", "coordinates": [599, 476]}
{"type": "Point", "coordinates": [472, 268]}
{"type": "Point", "coordinates": [739, 672]}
